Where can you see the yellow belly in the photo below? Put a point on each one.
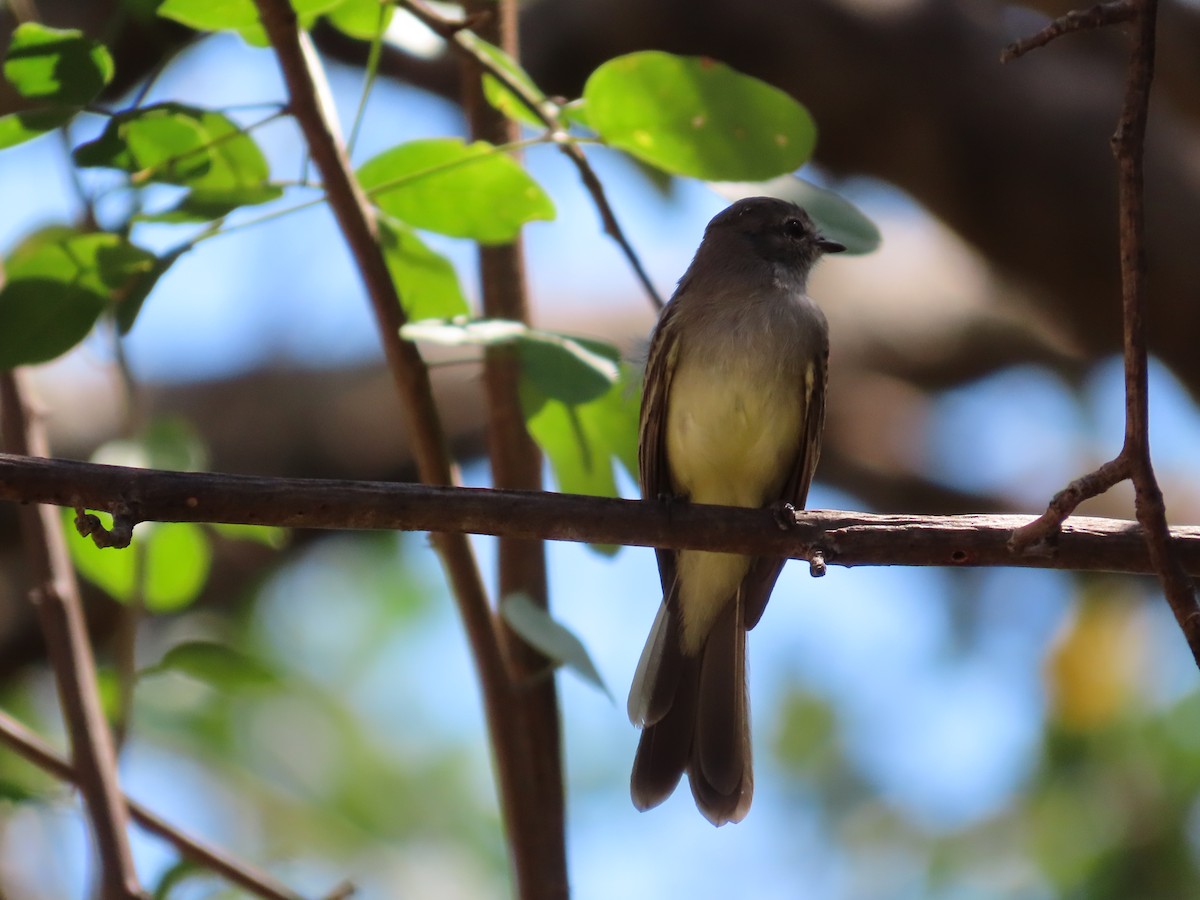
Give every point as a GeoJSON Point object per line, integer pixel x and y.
{"type": "Point", "coordinates": [732, 438]}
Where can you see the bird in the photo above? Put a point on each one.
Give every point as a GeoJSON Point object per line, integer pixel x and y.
{"type": "Point", "coordinates": [732, 410]}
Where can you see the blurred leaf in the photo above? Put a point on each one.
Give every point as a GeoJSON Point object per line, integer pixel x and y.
{"type": "Point", "coordinates": [174, 876]}
{"type": "Point", "coordinates": [198, 206]}
{"type": "Point", "coordinates": [1091, 669]}
{"type": "Point", "coordinates": [177, 561]}
{"type": "Point", "coordinates": [113, 571]}
{"type": "Point", "coordinates": [360, 19]}
{"type": "Point", "coordinates": [211, 15]}
{"type": "Point", "coordinates": [538, 629]}
{"type": "Point", "coordinates": [134, 298]}
{"type": "Point", "coordinates": [495, 92]}
{"type": "Point", "coordinates": [18, 127]}
{"type": "Point", "coordinates": [267, 535]}
{"type": "Point", "coordinates": [238, 15]}
{"type": "Point", "coordinates": [694, 116]}
{"type": "Point", "coordinates": [441, 184]}
{"type": "Point", "coordinates": [58, 67]}
{"type": "Point", "coordinates": [573, 370]}
{"type": "Point", "coordinates": [176, 144]}
{"type": "Point", "coordinates": [216, 665]}
{"type": "Point", "coordinates": [426, 280]}
{"type": "Point", "coordinates": [835, 216]}
{"type": "Point", "coordinates": [58, 283]}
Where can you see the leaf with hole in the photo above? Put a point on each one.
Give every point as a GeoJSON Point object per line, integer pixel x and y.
{"type": "Point", "coordinates": [697, 117]}
{"type": "Point", "coordinates": [471, 191]}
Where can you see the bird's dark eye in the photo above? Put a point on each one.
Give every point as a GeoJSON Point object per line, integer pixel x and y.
{"type": "Point", "coordinates": [794, 228]}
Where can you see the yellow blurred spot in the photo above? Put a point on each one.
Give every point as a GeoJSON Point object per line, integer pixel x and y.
{"type": "Point", "coordinates": [1091, 669]}
{"type": "Point", "coordinates": [781, 140]}
{"type": "Point", "coordinates": [643, 137]}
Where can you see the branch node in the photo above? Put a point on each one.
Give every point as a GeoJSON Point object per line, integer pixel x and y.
{"type": "Point", "coordinates": [816, 563]}
{"type": "Point", "coordinates": [1099, 16]}
{"type": "Point", "coordinates": [118, 537]}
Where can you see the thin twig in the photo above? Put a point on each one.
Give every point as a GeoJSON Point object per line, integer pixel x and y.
{"type": "Point", "coordinates": [56, 596]}
{"type": "Point", "coordinates": [1101, 15]}
{"type": "Point", "coordinates": [452, 31]}
{"type": "Point", "coordinates": [847, 539]}
{"type": "Point", "coordinates": [32, 748]}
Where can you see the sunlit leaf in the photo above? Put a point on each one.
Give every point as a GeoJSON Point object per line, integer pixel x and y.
{"type": "Point", "coordinates": [538, 629]}
{"type": "Point", "coordinates": [177, 561]}
{"type": "Point", "coordinates": [836, 216]}
{"type": "Point", "coordinates": [360, 19]}
{"type": "Point", "coordinates": [694, 116]}
{"type": "Point", "coordinates": [176, 144]}
{"type": "Point", "coordinates": [58, 283]}
{"type": "Point", "coordinates": [441, 184]}
{"type": "Point", "coordinates": [582, 441]}
{"type": "Point", "coordinates": [57, 67]}
{"type": "Point", "coordinates": [426, 280]}
{"type": "Point", "coordinates": [238, 15]}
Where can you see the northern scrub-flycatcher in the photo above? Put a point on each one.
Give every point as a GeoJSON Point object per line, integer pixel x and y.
{"type": "Point", "coordinates": [732, 411]}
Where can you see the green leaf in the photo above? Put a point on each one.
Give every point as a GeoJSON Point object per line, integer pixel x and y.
{"type": "Point", "coordinates": [573, 370]}
{"type": "Point", "coordinates": [360, 19]}
{"type": "Point", "coordinates": [836, 216]}
{"type": "Point", "coordinates": [57, 67]}
{"type": "Point", "coordinates": [538, 629]}
{"type": "Point", "coordinates": [426, 280]}
{"type": "Point", "coordinates": [177, 563]}
{"type": "Point", "coordinates": [496, 93]}
{"type": "Point", "coordinates": [441, 184]}
{"type": "Point", "coordinates": [214, 664]}
{"type": "Point", "coordinates": [176, 144]}
{"type": "Point", "coordinates": [694, 116]}
{"type": "Point", "coordinates": [18, 127]}
{"type": "Point", "coordinates": [211, 15]}
{"type": "Point", "coordinates": [237, 15]}
{"type": "Point", "coordinates": [59, 281]}
{"type": "Point", "coordinates": [113, 571]}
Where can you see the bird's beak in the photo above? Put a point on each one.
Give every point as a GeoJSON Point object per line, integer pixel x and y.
{"type": "Point", "coordinates": [828, 246]}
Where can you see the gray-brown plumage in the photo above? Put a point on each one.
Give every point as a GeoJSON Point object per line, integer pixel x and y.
{"type": "Point", "coordinates": [732, 412]}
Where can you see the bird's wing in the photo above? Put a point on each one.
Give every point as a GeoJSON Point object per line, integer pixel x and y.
{"type": "Point", "coordinates": [653, 467]}
{"type": "Point", "coordinates": [760, 580]}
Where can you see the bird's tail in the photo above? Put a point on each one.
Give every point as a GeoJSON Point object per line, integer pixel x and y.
{"type": "Point", "coordinates": [696, 718]}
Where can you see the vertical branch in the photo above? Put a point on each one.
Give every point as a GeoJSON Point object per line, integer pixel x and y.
{"type": "Point", "coordinates": [1129, 144]}
{"type": "Point", "coordinates": [1133, 462]}
{"type": "Point", "coordinates": [539, 838]}
{"type": "Point", "coordinates": [56, 596]}
{"type": "Point", "coordinates": [514, 766]}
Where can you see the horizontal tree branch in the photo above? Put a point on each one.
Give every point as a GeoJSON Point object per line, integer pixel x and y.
{"type": "Point", "coordinates": [841, 538]}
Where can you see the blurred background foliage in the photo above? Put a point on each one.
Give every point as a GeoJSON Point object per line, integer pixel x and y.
{"type": "Point", "coordinates": [307, 701]}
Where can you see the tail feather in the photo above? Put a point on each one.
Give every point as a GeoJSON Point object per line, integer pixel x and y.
{"type": "Point", "coordinates": [695, 715]}
{"type": "Point", "coordinates": [720, 768]}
